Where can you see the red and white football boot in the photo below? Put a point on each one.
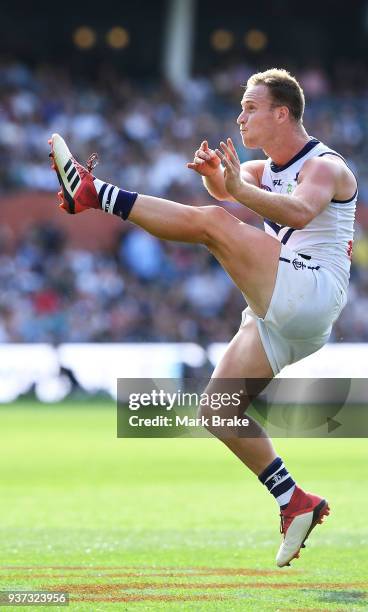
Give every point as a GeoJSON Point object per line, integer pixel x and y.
{"type": "Point", "coordinates": [302, 514]}
{"type": "Point", "coordinates": [78, 192]}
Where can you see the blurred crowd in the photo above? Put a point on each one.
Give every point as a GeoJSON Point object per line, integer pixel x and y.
{"type": "Point", "coordinates": [143, 290]}
{"type": "Point", "coordinates": [145, 132]}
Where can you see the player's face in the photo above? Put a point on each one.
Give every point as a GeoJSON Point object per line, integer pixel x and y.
{"type": "Point", "coordinates": [257, 121]}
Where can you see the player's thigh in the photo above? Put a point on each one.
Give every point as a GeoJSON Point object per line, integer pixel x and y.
{"type": "Point", "coordinates": [248, 255]}
{"type": "Point", "coordinates": [245, 356]}
{"type": "Point", "coordinates": [243, 371]}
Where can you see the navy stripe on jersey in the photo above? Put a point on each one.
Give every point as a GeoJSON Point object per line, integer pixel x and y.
{"type": "Point", "coordinates": [287, 235]}
{"type": "Point", "coordinates": [307, 147]}
{"type": "Point", "coordinates": [333, 153]}
{"type": "Point", "coordinates": [275, 226]}
{"type": "Point", "coordinates": [346, 201]}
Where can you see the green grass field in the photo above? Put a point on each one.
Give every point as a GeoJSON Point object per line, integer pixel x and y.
{"type": "Point", "coordinates": [174, 524]}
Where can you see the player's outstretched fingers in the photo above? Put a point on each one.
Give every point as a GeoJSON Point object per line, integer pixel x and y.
{"type": "Point", "coordinates": [230, 144]}
{"type": "Point", "coordinates": [224, 160]}
{"type": "Point", "coordinates": [227, 151]}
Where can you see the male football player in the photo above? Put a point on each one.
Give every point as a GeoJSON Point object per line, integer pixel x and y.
{"type": "Point", "coordinates": [294, 275]}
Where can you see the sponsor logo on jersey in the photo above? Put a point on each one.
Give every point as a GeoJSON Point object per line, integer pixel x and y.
{"type": "Point", "coordinates": [298, 265]}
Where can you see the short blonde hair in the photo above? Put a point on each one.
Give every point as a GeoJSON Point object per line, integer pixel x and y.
{"type": "Point", "coordinates": [284, 89]}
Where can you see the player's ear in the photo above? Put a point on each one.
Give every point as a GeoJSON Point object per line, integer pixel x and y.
{"type": "Point", "coordinates": [282, 113]}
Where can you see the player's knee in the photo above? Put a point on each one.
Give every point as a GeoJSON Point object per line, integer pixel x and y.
{"type": "Point", "coordinates": [223, 409]}
{"type": "Point", "coordinates": [214, 220]}
{"type": "Point", "coordinates": [205, 413]}
{"type": "Point", "coordinates": [207, 407]}
{"type": "Point", "coordinates": [218, 421]}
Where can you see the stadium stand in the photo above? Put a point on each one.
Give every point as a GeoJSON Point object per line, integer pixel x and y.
{"type": "Point", "coordinates": [56, 287]}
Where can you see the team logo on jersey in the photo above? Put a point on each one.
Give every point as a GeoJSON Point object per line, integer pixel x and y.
{"type": "Point", "coordinates": [277, 182]}
{"type": "Point", "coordinates": [298, 265]}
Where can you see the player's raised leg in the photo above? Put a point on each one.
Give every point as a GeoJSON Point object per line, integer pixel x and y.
{"type": "Point", "coordinates": [246, 253]}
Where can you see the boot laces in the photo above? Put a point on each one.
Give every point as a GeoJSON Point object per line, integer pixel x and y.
{"type": "Point", "coordinates": [281, 523]}
{"type": "Point", "coordinates": [283, 518]}
{"type": "Point", "coordinates": [92, 162]}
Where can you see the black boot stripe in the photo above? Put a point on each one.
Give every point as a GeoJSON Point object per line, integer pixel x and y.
{"type": "Point", "coordinates": [67, 165]}
{"type": "Point", "coordinates": [71, 174]}
{"type": "Point", "coordinates": [74, 183]}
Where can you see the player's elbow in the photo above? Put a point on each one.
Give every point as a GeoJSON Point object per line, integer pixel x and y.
{"type": "Point", "coordinates": [299, 222]}
{"type": "Point", "coordinates": [302, 216]}
{"type": "Point", "coordinates": [221, 197]}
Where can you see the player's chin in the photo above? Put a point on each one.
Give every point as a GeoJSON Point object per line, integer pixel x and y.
{"type": "Point", "coordinates": [248, 141]}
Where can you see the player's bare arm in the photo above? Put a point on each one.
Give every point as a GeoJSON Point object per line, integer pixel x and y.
{"type": "Point", "coordinates": [319, 181]}
{"type": "Point", "coordinates": [208, 165]}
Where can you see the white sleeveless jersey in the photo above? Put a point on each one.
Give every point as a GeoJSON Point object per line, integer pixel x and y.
{"type": "Point", "coordinates": [328, 238]}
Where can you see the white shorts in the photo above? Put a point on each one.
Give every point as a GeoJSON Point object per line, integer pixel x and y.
{"type": "Point", "coordinates": [305, 303]}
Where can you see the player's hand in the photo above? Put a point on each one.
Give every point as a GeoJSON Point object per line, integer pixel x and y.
{"type": "Point", "coordinates": [231, 162]}
{"type": "Point", "coordinates": [205, 161]}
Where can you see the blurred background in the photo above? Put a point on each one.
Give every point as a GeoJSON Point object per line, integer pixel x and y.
{"type": "Point", "coordinates": [143, 83]}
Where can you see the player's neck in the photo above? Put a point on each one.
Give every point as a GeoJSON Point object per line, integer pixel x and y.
{"type": "Point", "coordinates": [283, 148]}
